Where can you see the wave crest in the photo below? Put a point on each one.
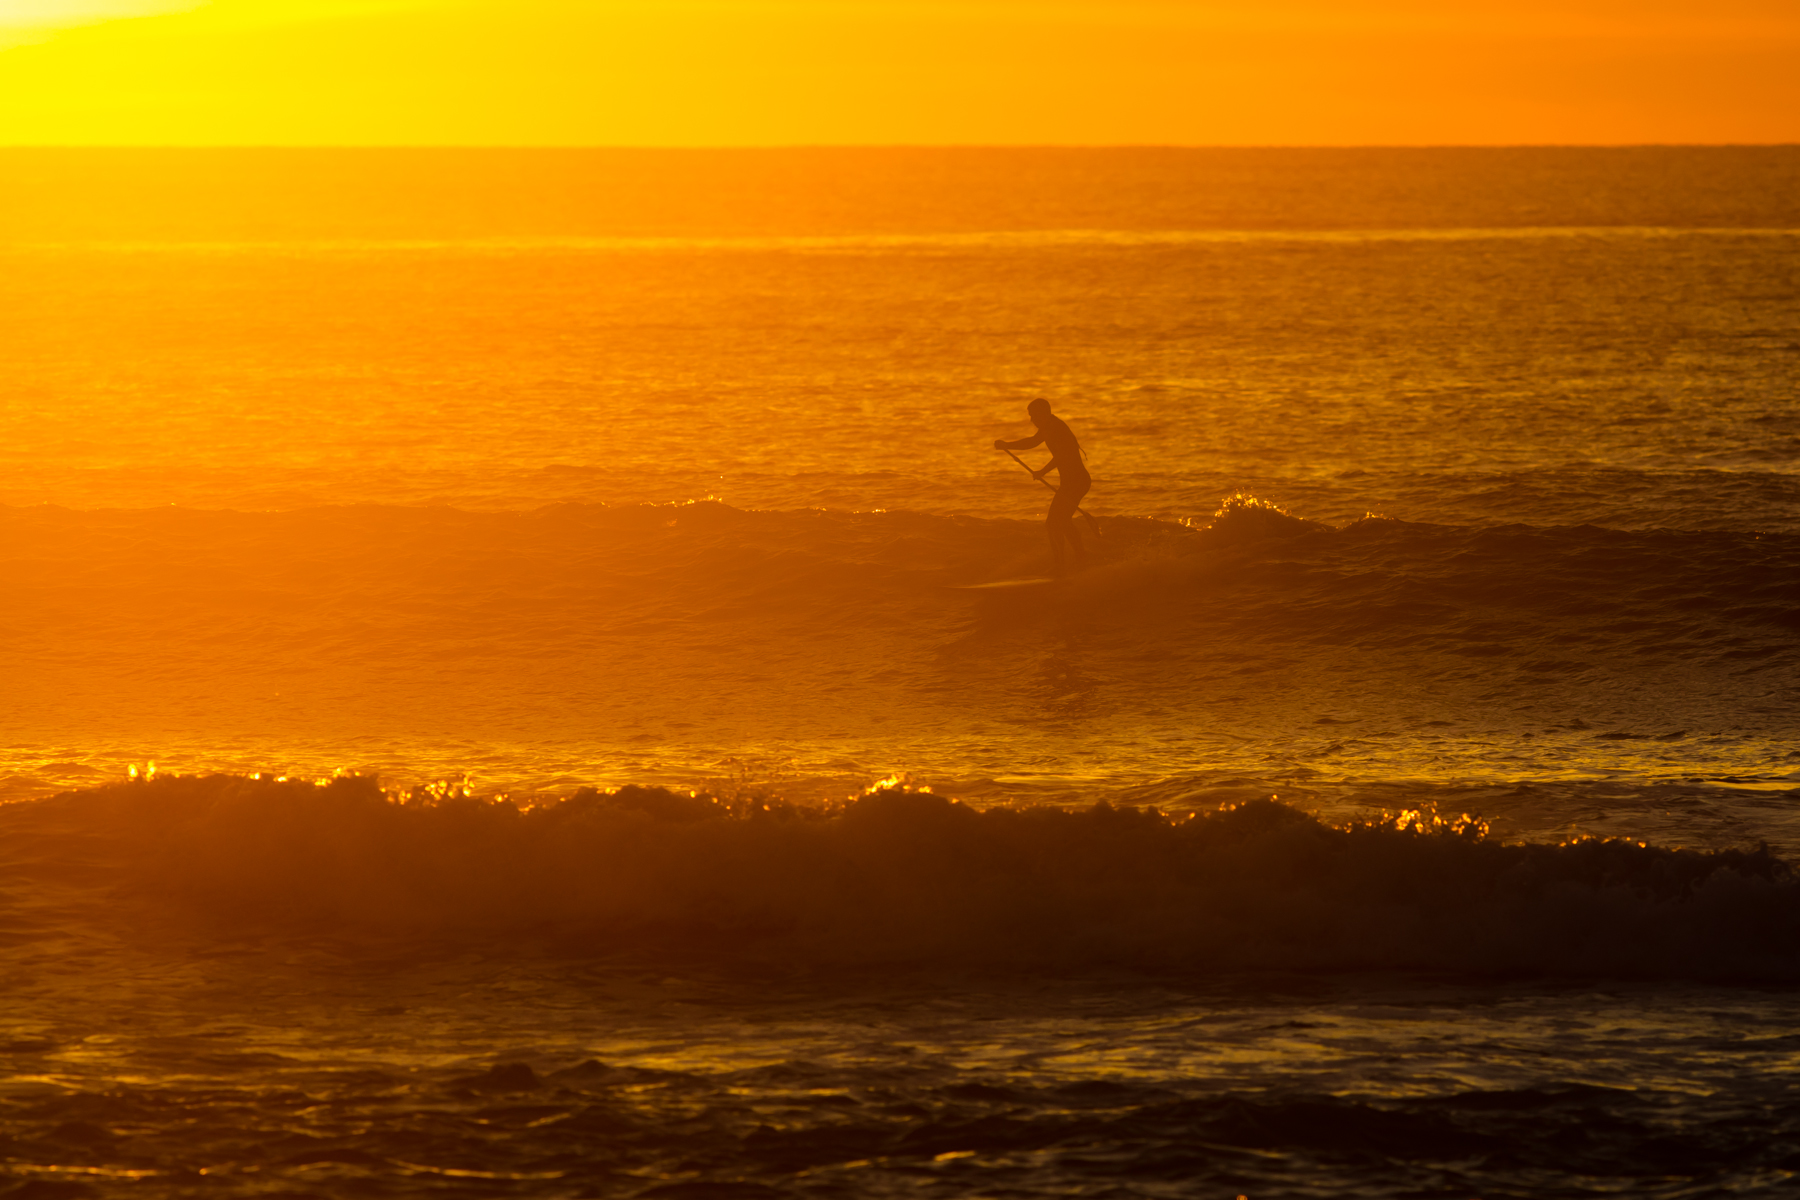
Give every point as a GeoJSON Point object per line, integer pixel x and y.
{"type": "Point", "coordinates": [908, 877]}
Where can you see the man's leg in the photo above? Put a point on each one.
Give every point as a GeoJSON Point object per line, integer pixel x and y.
{"type": "Point", "coordinates": [1062, 527]}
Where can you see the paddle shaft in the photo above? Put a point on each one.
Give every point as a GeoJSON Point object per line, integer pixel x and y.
{"type": "Point", "coordinates": [1093, 525]}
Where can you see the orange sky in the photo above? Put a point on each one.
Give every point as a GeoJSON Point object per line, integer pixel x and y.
{"type": "Point", "coordinates": [783, 72]}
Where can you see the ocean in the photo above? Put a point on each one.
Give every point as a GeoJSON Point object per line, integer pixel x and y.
{"type": "Point", "coordinates": [495, 706]}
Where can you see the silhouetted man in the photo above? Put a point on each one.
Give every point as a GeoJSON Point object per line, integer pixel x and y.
{"type": "Point", "coordinates": [1071, 477]}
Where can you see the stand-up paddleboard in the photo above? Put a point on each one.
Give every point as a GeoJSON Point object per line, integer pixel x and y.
{"type": "Point", "coordinates": [1000, 585]}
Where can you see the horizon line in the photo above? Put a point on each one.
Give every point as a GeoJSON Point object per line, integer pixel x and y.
{"type": "Point", "coordinates": [988, 146]}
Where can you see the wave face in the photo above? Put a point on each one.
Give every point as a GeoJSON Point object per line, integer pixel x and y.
{"type": "Point", "coordinates": [899, 877]}
{"type": "Point", "coordinates": [809, 652]}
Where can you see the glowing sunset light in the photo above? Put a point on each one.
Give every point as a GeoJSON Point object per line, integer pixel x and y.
{"type": "Point", "coordinates": [56, 13]}
{"type": "Point", "coordinates": [560, 488]}
{"type": "Point", "coordinates": [710, 73]}
{"type": "Point", "coordinates": [26, 21]}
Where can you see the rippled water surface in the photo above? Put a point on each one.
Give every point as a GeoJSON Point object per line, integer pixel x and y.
{"type": "Point", "coordinates": [1625, 377]}
{"type": "Point", "coordinates": [1427, 483]}
{"type": "Point", "coordinates": [512, 1083]}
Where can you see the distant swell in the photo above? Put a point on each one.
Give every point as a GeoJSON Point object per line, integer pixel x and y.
{"type": "Point", "coordinates": [400, 581]}
{"type": "Point", "coordinates": [900, 877]}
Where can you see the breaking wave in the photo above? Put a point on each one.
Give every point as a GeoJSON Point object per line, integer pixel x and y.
{"type": "Point", "coordinates": [902, 877]}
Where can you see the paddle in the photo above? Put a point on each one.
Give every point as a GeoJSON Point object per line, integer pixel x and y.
{"type": "Point", "coordinates": [1093, 525]}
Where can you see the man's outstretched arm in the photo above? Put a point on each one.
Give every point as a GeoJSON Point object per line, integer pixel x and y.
{"type": "Point", "coordinates": [1021, 444]}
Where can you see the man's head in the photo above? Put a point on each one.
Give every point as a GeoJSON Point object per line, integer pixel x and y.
{"type": "Point", "coordinates": [1038, 409]}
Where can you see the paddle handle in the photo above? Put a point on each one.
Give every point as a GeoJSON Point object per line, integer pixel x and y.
{"type": "Point", "coordinates": [1034, 474]}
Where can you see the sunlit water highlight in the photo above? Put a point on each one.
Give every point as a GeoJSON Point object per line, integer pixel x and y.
{"type": "Point", "coordinates": [667, 488]}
